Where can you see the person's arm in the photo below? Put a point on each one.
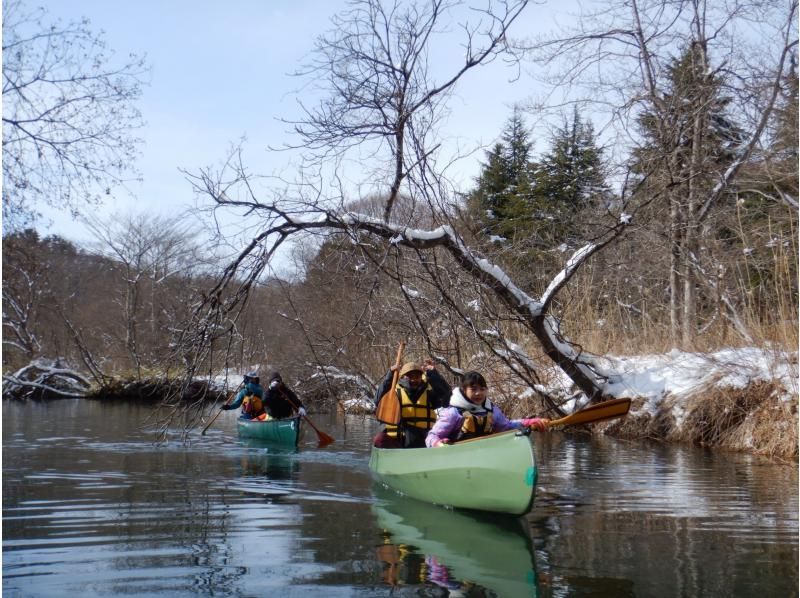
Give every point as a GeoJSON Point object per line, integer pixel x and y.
{"type": "Point", "coordinates": [237, 401]}
{"type": "Point", "coordinates": [293, 398]}
{"type": "Point", "coordinates": [441, 389]}
{"type": "Point", "coordinates": [502, 423]}
{"type": "Point", "coordinates": [449, 420]}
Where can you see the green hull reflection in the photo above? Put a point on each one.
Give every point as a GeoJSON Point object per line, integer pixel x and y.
{"type": "Point", "coordinates": [460, 548]}
{"type": "Point", "coordinates": [284, 432]}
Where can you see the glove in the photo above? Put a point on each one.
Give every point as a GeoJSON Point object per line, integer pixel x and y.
{"type": "Point", "coordinates": [225, 407]}
{"type": "Point", "coordinates": [301, 412]}
{"type": "Point", "coordinates": [274, 384]}
{"type": "Point", "coordinates": [537, 423]}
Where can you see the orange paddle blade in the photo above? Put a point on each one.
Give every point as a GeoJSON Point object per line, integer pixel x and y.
{"type": "Point", "coordinates": [322, 438]}
{"type": "Point", "coordinates": [388, 410]}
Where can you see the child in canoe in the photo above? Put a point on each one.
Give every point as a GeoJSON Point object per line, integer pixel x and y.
{"type": "Point", "coordinates": [472, 414]}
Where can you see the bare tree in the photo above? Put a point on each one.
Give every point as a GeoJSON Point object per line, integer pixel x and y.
{"type": "Point", "coordinates": [625, 55]}
{"type": "Point", "coordinates": [381, 89]}
{"type": "Point", "coordinates": [150, 251]}
{"type": "Point", "coordinates": [68, 114]}
{"type": "Point", "coordinates": [377, 76]}
{"type": "Point", "coordinates": [24, 284]}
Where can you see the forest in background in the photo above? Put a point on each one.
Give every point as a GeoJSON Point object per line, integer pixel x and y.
{"type": "Point", "coordinates": [116, 308]}
{"type": "Point", "coordinates": [676, 228]}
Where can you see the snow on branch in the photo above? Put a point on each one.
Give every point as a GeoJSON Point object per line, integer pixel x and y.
{"type": "Point", "coordinates": [41, 378]}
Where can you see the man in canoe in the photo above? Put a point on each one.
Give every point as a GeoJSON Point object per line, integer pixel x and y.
{"type": "Point", "coordinates": [280, 400]}
{"type": "Point", "coordinates": [420, 390]}
{"type": "Point", "coordinates": [472, 414]}
{"type": "Point", "coordinates": [250, 397]}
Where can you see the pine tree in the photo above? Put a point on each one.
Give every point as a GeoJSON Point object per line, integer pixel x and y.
{"type": "Point", "coordinates": [571, 179]}
{"type": "Point", "coordinates": [688, 141]}
{"type": "Point", "coordinates": [501, 201]}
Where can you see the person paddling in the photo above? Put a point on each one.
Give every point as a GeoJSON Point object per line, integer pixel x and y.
{"type": "Point", "coordinates": [280, 400]}
{"type": "Point", "coordinates": [250, 397]}
{"type": "Point", "coordinates": [471, 414]}
{"type": "Point", "coordinates": [420, 390]}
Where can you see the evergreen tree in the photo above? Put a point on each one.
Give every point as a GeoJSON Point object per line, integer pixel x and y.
{"type": "Point", "coordinates": [500, 204]}
{"type": "Point", "coordinates": [571, 180]}
{"type": "Point", "coordinates": [689, 140]}
{"type": "Point", "coordinates": [691, 120]}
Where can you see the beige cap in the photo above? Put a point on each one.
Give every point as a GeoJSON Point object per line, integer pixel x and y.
{"type": "Point", "coordinates": [411, 366]}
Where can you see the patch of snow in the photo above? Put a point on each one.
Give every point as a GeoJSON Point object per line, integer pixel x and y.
{"type": "Point", "coordinates": [679, 373]}
{"type": "Point", "coordinates": [411, 292]}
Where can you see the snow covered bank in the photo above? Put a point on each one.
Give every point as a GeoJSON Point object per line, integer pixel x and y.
{"type": "Point", "coordinates": [739, 399]}
{"type": "Point", "coordinates": [680, 374]}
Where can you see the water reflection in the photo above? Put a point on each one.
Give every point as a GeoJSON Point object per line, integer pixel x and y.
{"type": "Point", "coordinates": [461, 552]}
{"type": "Point", "coordinates": [92, 507]}
{"type": "Point", "coordinates": [269, 460]}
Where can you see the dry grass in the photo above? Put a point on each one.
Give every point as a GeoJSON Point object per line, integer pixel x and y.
{"type": "Point", "coordinates": [752, 419]}
{"type": "Point", "coordinates": [596, 314]}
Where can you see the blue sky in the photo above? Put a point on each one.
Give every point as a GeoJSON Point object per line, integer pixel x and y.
{"type": "Point", "coordinates": [220, 71]}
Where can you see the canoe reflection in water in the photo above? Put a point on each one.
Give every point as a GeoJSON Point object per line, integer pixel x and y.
{"type": "Point", "coordinates": [267, 459]}
{"type": "Point", "coordinates": [460, 551]}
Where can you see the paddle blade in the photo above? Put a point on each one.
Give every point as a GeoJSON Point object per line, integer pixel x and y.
{"type": "Point", "coordinates": [322, 438]}
{"type": "Point", "coordinates": [595, 413]}
{"type": "Point", "coordinates": [388, 411]}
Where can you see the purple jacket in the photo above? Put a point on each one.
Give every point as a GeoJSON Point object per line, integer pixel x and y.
{"type": "Point", "coordinates": [449, 422]}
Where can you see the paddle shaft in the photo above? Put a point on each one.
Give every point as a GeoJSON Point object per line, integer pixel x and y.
{"type": "Point", "coordinates": [213, 419]}
{"type": "Point", "coordinates": [595, 413]}
{"type": "Point", "coordinates": [389, 407]}
{"type": "Point", "coordinates": [322, 437]}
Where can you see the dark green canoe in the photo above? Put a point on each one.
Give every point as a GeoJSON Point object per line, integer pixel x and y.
{"type": "Point", "coordinates": [284, 432]}
{"type": "Point", "coordinates": [495, 473]}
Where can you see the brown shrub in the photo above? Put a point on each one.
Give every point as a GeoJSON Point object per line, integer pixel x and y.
{"type": "Point", "coordinates": [752, 419]}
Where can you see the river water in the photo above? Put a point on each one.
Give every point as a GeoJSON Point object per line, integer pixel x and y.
{"type": "Point", "coordinates": [92, 506]}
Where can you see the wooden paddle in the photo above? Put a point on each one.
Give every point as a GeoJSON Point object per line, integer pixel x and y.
{"type": "Point", "coordinates": [595, 413]}
{"type": "Point", "coordinates": [389, 407]}
{"type": "Point", "coordinates": [213, 419]}
{"type": "Point", "coordinates": [322, 438]}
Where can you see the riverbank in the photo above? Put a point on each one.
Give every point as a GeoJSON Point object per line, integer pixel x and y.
{"type": "Point", "coordinates": [743, 399]}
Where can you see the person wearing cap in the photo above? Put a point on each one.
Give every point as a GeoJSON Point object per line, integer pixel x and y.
{"type": "Point", "coordinates": [421, 390]}
{"type": "Point", "coordinates": [250, 398]}
{"type": "Point", "coordinates": [280, 400]}
{"type": "Point", "coordinates": [471, 414]}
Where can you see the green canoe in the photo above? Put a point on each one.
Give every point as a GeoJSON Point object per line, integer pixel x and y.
{"type": "Point", "coordinates": [494, 473]}
{"type": "Point", "coordinates": [489, 550]}
{"type": "Point", "coordinates": [285, 432]}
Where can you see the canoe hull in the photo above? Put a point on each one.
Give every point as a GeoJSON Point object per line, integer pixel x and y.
{"type": "Point", "coordinates": [496, 473]}
{"type": "Point", "coordinates": [285, 432]}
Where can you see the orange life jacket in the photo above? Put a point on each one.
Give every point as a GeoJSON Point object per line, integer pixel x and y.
{"type": "Point", "coordinates": [419, 414]}
{"type": "Point", "coordinates": [475, 425]}
{"type": "Point", "coordinates": [253, 406]}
